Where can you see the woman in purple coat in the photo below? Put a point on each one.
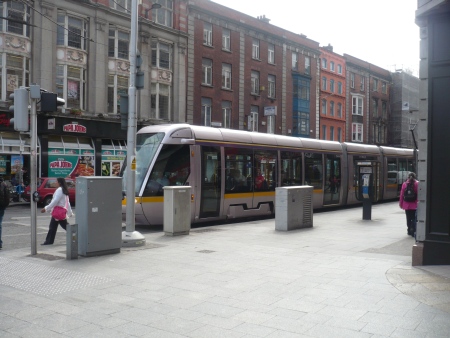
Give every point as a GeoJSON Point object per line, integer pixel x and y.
{"type": "Point", "coordinates": [410, 206]}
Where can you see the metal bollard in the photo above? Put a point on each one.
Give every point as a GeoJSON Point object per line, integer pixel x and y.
{"type": "Point", "coordinates": [72, 241]}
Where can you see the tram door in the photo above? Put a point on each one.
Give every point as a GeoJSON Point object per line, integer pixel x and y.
{"type": "Point", "coordinates": [333, 179]}
{"type": "Point", "coordinates": [210, 184]}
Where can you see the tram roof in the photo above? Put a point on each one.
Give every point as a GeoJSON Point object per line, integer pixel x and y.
{"type": "Point", "coordinates": [396, 151]}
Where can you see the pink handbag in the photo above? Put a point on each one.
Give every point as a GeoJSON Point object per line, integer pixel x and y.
{"type": "Point", "coordinates": [60, 213]}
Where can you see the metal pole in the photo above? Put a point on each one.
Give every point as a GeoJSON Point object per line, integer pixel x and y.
{"type": "Point", "coordinates": [130, 237]}
{"type": "Point", "coordinates": [33, 178]}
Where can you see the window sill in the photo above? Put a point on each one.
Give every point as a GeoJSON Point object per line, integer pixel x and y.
{"type": "Point", "coordinates": [226, 50]}
{"type": "Point", "coordinates": [271, 63]}
{"type": "Point", "coordinates": [207, 85]}
{"type": "Point", "coordinates": [255, 59]}
{"type": "Point", "coordinates": [227, 89]}
{"type": "Point", "coordinates": [209, 46]}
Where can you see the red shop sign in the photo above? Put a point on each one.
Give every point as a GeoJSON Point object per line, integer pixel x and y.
{"type": "Point", "coordinates": [74, 128]}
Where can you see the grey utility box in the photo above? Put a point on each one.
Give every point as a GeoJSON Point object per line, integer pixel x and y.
{"type": "Point", "coordinates": [293, 208]}
{"type": "Point", "coordinates": [177, 210]}
{"type": "Point", "coordinates": [99, 215]}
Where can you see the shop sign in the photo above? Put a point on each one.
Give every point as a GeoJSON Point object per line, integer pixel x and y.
{"type": "Point", "coordinates": [4, 120]}
{"type": "Point", "coordinates": [87, 152]}
{"type": "Point", "coordinates": [72, 151]}
{"type": "Point", "coordinates": [51, 124]}
{"type": "Point", "coordinates": [121, 153]}
{"type": "Point", "coordinates": [55, 151]}
{"type": "Point", "coordinates": [107, 152]}
{"type": "Point", "coordinates": [74, 128]}
{"type": "Point", "coordinates": [270, 111]}
{"type": "Point", "coordinates": [70, 166]}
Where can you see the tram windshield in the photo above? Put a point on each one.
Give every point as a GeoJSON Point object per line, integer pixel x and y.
{"type": "Point", "coordinates": [146, 148]}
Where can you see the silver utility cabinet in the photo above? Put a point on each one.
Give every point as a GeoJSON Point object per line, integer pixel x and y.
{"type": "Point", "coordinates": [293, 207]}
{"type": "Point", "coordinates": [99, 215]}
{"type": "Point", "coordinates": [177, 210]}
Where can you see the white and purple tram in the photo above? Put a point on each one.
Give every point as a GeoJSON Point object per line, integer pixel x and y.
{"type": "Point", "coordinates": [233, 173]}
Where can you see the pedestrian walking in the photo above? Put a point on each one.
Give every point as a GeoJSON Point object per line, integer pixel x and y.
{"type": "Point", "coordinates": [4, 202]}
{"type": "Point", "coordinates": [60, 209]}
{"type": "Point", "coordinates": [408, 202]}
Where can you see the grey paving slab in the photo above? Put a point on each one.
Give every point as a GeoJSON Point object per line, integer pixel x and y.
{"type": "Point", "coordinates": [341, 278]}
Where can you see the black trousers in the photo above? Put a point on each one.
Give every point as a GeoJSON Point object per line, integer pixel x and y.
{"type": "Point", "coordinates": [52, 229]}
{"type": "Point", "coordinates": [411, 220]}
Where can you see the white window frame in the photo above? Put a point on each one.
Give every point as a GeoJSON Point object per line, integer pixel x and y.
{"type": "Point", "coordinates": [120, 5]}
{"type": "Point", "coordinates": [324, 83]}
{"type": "Point", "coordinates": [207, 71]}
{"type": "Point", "coordinates": [118, 37]}
{"type": "Point", "coordinates": [64, 91]}
{"type": "Point", "coordinates": [339, 69]}
{"type": "Point", "coordinates": [331, 66]}
{"type": "Point", "coordinates": [339, 87]}
{"type": "Point", "coordinates": [271, 53]}
{"type": "Point", "coordinates": [324, 63]}
{"type": "Point", "coordinates": [362, 83]}
{"type": "Point", "coordinates": [163, 15]}
{"type": "Point", "coordinates": [18, 71]}
{"type": "Point", "coordinates": [324, 132]}
{"type": "Point", "coordinates": [255, 49]}
{"type": "Point", "coordinates": [160, 49]}
{"type": "Point", "coordinates": [226, 76]}
{"type": "Point", "coordinates": [254, 82]}
{"type": "Point", "coordinates": [324, 106]}
{"type": "Point", "coordinates": [383, 87]}
{"type": "Point", "coordinates": [253, 118]}
{"type": "Point", "coordinates": [357, 105]}
{"type": "Point", "coordinates": [226, 39]}
{"type": "Point", "coordinates": [352, 80]}
{"type": "Point", "coordinates": [331, 108]}
{"type": "Point", "coordinates": [206, 111]}
{"type": "Point", "coordinates": [375, 85]}
{"type": "Point", "coordinates": [339, 110]}
{"type": "Point", "coordinates": [226, 114]}
{"type": "Point", "coordinates": [307, 65]}
{"type": "Point", "coordinates": [155, 110]}
{"type": "Point", "coordinates": [357, 132]}
{"type": "Point", "coordinates": [67, 30]}
{"type": "Point", "coordinates": [119, 84]}
{"type": "Point", "coordinates": [294, 60]}
{"type": "Point", "coordinates": [207, 34]}
{"type": "Point", "coordinates": [18, 11]}
{"type": "Point", "coordinates": [375, 107]}
{"type": "Point", "coordinates": [271, 84]}
{"type": "Point", "coordinates": [339, 138]}
{"type": "Point", "coordinates": [271, 124]}
{"type": "Point", "coordinates": [331, 133]}
{"type": "Point", "coordinates": [332, 85]}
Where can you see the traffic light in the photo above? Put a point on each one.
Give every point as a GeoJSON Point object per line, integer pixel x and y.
{"type": "Point", "coordinates": [139, 79]}
{"type": "Point", "coordinates": [50, 102]}
{"type": "Point", "coordinates": [123, 107]}
{"type": "Point", "coordinates": [20, 99]}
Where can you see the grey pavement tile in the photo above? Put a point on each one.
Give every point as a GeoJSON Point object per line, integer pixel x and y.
{"type": "Point", "coordinates": [224, 323]}
{"type": "Point", "coordinates": [140, 316]}
{"type": "Point", "coordinates": [110, 322]}
{"type": "Point", "coordinates": [421, 315]}
{"type": "Point", "coordinates": [59, 323]}
{"type": "Point", "coordinates": [344, 323]}
{"type": "Point", "coordinates": [186, 314]}
{"type": "Point", "coordinates": [134, 329]}
{"type": "Point", "coordinates": [8, 322]}
{"type": "Point", "coordinates": [402, 333]}
{"type": "Point", "coordinates": [285, 334]}
{"type": "Point", "coordinates": [378, 329]}
{"type": "Point", "coordinates": [5, 334]}
{"type": "Point", "coordinates": [288, 324]}
{"type": "Point", "coordinates": [157, 307]}
{"type": "Point", "coordinates": [208, 331]}
{"type": "Point", "coordinates": [253, 317]}
{"type": "Point", "coordinates": [179, 326]}
{"type": "Point", "coordinates": [340, 312]}
{"type": "Point", "coordinates": [286, 313]}
{"type": "Point", "coordinates": [105, 307]}
{"type": "Point", "coordinates": [258, 297]}
{"type": "Point", "coordinates": [150, 295]}
{"type": "Point", "coordinates": [257, 330]}
{"type": "Point", "coordinates": [389, 319]}
{"type": "Point", "coordinates": [299, 305]}
{"type": "Point", "coordinates": [31, 330]}
{"type": "Point", "coordinates": [216, 309]}
{"type": "Point", "coordinates": [180, 302]}
{"type": "Point", "coordinates": [116, 298]}
{"type": "Point", "coordinates": [32, 312]}
{"type": "Point", "coordinates": [324, 331]}
{"type": "Point", "coordinates": [439, 328]}
{"type": "Point", "coordinates": [92, 331]}
{"type": "Point", "coordinates": [90, 316]}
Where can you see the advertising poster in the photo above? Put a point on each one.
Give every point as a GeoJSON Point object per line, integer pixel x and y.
{"type": "Point", "coordinates": [70, 166]}
{"type": "Point", "coordinates": [16, 164]}
{"type": "Point", "coordinates": [112, 162]}
{"type": "Point", "coordinates": [3, 165]}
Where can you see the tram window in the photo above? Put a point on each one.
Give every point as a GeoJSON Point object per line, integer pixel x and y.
{"type": "Point", "coordinates": [402, 165]}
{"type": "Point", "coordinates": [291, 169]}
{"type": "Point", "coordinates": [314, 170]}
{"type": "Point", "coordinates": [392, 164]}
{"type": "Point", "coordinates": [238, 170]}
{"type": "Point", "coordinates": [265, 170]}
{"type": "Point", "coordinates": [172, 167]}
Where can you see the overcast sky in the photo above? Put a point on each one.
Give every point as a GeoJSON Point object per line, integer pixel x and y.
{"type": "Point", "coordinates": [381, 32]}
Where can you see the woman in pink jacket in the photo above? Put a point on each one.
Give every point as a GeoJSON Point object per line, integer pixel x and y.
{"type": "Point", "coordinates": [410, 206]}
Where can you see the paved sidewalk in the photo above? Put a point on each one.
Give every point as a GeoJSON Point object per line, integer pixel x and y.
{"type": "Point", "coordinates": [344, 277]}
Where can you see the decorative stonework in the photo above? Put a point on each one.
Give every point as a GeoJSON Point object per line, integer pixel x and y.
{"type": "Point", "coordinates": [75, 56]}
{"type": "Point", "coordinates": [164, 76]}
{"type": "Point", "coordinates": [123, 66]}
{"type": "Point", "coordinates": [16, 42]}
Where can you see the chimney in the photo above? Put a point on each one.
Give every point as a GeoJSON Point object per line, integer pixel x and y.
{"type": "Point", "coordinates": [263, 18]}
{"type": "Point", "coordinates": [329, 47]}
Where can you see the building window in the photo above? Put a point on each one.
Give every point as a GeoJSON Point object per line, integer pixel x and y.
{"type": "Point", "coordinates": [272, 85]}
{"type": "Point", "coordinates": [71, 85]}
{"type": "Point", "coordinates": [324, 132]}
{"type": "Point", "coordinates": [15, 74]}
{"type": "Point", "coordinates": [271, 53]}
{"type": "Point", "coordinates": [160, 107]}
{"type": "Point", "coordinates": [375, 108]}
{"type": "Point", "coordinates": [255, 82]}
{"type": "Point", "coordinates": [383, 87]}
{"type": "Point", "coordinates": [331, 108]}
{"type": "Point", "coordinates": [161, 55]}
{"type": "Point", "coordinates": [362, 83]}
{"type": "Point", "coordinates": [339, 110]}
{"type": "Point", "coordinates": [324, 63]}
{"type": "Point", "coordinates": [207, 34]}
{"type": "Point", "coordinates": [352, 80]}
{"type": "Point", "coordinates": [207, 72]}
{"type": "Point", "coordinates": [301, 106]}
{"type": "Point", "coordinates": [71, 32]}
{"type": "Point", "coordinates": [357, 105]}
{"type": "Point", "coordinates": [226, 76]}
{"type": "Point", "coordinates": [339, 135]}
{"type": "Point", "coordinates": [324, 83]}
{"type": "Point", "coordinates": [357, 132]}
{"type": "Point", "coordinates": [307, 65]}
{"type": "Point", "coordinates": [120, 5]}
{"type": "Point", "coordinates": [375, 85]}
{"type": "Point", "coordinates": [271, 124]}
{"type": "Point", "coordinates": [19, 15]}
{"type": "Point", "coordinates": [324, 107]}
{"type": "Point", "coordinates": [117, 86]}
{"type": "Point", "coordinates": [339, 69]}
{"type": "Point", "coordinates": [206, 111]}
{"type": "Point", "coordinates": [226, 39]}
{"type": "Point", "coordinates": [384, 109]}
{"type": "Point", "coordinates": [163, 15]}
{"type": "Point", "coordinates": [339, 87]}
{"type": "Point", "coordinates": [118, 44]}
{"type": "Point", "coordinates": [226, 113]}
{"type": "Point", "coordinates": [332, 85]}
{"type": "Point", "coordinates": [331, 133]}
{"type": "Point", "coordinates": [255, 49]}
{"type": "Point", "coordinates": [294, 60]}
{"type": "Point", "coordinates": [332, 66]}
{"type": "Point", "coordinates": [253, 118]}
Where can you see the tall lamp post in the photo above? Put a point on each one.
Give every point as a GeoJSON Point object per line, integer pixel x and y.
{"type": "Point", "coordinates": [130, 237]}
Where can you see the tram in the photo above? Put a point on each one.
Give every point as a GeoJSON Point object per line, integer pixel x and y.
{"type": "Point", "coordinates": [234, 173]}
